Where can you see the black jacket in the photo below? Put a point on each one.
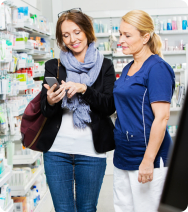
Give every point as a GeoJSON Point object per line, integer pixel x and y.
{"type": "Point", "coordinates": [100, 98]}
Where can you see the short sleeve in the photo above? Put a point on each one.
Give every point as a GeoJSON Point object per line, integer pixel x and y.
{"type": "Point", "coordinates": [161, 83]}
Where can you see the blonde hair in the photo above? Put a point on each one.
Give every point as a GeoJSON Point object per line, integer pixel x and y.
{"type": "Point", "coordinates": [144, 24]}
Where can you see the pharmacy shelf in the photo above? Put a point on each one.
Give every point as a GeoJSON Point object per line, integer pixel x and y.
{"type": "Point", "coordinates": [118, 70]}
{"type": "Point", "coordinates": [102, 35]}
{"type": "Point", "coordinates": [173, 32]}
{"type": "Point", "coordinates": [5, 61]}
{"type": "Point", "coordinates": [22, 190]}
{"type": "Point", "coordinates": [181, 52]}
{"type": "Point", "coordinates": [10, 207]}
{"type": "Point", "coordinates": [25, 87]}
{"type": "Point", "coordinates": [120, 54]}
{"type": "Point", "coordinates": [43, 201]}
{"type": "Point", "coordinates": [175, 109]}
{"type": "Point", "coordinates": [26, 159]}
{"type": "Point", "coordinates": [23, 48]}
{"type": "Point", "coordinates": [38, 75]}
{"type": "Point", "coordinates": [36, 52]}
{"type": "Point", "coordinates": [42, 57]}
{"type": "Point", "coordinates": [178, 70]}
{"type": "Point", "coordinates": [106, 52]}
{"type": "Point", "coordinates": [7, 175]}
{"type": "Point", "coordinates": [30, 28]}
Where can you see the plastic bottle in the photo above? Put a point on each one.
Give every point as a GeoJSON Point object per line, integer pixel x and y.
{"type": "Point", "coordinates": [181, 44]}
{"type": "Point", "coordinates": [124, 63]}
{"type": "Point", "coordinates": [164, 25]}
{"type": "Point", "coordinates": [179, 23]}
{"type": "Point", "coordinates": [161, 26]}
{"type": "Point", "coordinates": [35, 196]}
{"type": "Point", "coordinates": [169, 24]}
{"type": "Point", "coordinates": [38, 196]}
{"type": "Point", "coordinates": [184, 23]}
{"type": "Point", "coordinates": [174, 23]}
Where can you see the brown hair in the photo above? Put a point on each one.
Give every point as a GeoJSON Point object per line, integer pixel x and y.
{"type": "Point", "coordinates": [144, 24]}
{"type": "Point", "coordinates": [79, 18]}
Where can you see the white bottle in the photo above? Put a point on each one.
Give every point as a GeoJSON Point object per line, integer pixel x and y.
{"type": "Point", "coordinates": [119, 64]}
{"type": "Point", "coordinates": [124, 62]}
{"type": "Point", "coordinates": [179, 23]}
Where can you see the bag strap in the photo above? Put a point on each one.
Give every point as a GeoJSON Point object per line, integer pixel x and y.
{"type": "Point", "coordinates": [59, 64]}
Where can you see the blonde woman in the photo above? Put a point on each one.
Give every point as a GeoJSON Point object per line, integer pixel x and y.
{"type": "Point", "coordinates": [142, 98]}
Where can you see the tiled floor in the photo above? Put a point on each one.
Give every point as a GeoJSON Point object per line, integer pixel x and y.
{"type": "Point", "coordinates": [106, 196]}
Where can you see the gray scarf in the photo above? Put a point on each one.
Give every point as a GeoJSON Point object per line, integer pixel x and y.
{"type": "Point", "coordinates": [85, 73]}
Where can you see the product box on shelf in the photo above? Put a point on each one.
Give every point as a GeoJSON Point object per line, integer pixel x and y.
{"type": "Point", "coordinates": [20, 204]}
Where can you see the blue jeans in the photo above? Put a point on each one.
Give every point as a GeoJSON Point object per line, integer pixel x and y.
{"type": "Point", "coordinates": [63, 170]}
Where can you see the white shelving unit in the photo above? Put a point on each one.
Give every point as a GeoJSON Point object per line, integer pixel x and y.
{"type": "Point", "coordinates": [26, 159]}
{"type": "Point", "coordinates": [7, 175]}
{"type": "Point", "coordinates": [30, 28]}
{"type": "Point", "coordinates": [22, 190]}
{"type": "Point", "coordinates": [175, 109]}
{"type": "Point", "coordinates": [106, 52]}
{"type": "Point", "coordinates": [182, 52]}
{"type": "Point", "coordinates": [120, 54]}
{"type": "Point", "coordinates": [102, 35]}
{"type": "Point", "coordinates": [25, 87]}
{"type": "Point", "coordinates": [10, 208]}
{"type": "Point", "coordinates": [38, 75]}
{"type": "Point", "coordinates": [22, 47]}
{"type": "Point", "coordinates": [167, 32]}
{"type": "Point", "coordinates": [173, 32]}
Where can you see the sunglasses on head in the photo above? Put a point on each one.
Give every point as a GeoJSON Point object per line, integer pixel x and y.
{"type": "Point", "coordinates": [74, 10]}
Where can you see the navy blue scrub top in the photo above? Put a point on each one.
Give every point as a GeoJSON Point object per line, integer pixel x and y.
{"type": "Point", "coordinates": [133, 95]}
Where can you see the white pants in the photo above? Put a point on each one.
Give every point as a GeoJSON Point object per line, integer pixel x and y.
{"type": "Point", "coordinates": [132, 196]}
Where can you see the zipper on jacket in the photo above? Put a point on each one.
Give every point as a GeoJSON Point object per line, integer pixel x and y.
{"type": "Point", "coordinates": [127, 134]}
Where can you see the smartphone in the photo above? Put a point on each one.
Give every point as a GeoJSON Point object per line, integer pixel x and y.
{"type": "Point", "coordinates": [51, 81]}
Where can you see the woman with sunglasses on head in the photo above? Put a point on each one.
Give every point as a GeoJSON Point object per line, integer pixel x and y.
{"type": "Point", "coordinates": [142, 97]}
{"type": "Point", "coordinates": [79, 131]}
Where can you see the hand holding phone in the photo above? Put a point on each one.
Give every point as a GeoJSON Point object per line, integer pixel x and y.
{"type": "Point", "coordinates": [56, 94]}
{"type": "Point", "coordinates": [51, 81]}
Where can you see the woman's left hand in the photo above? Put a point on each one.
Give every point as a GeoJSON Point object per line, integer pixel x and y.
{"type": "Point", "coordinates": [74, 88]}
{"type": "Point", "coordinates": [146, 169]}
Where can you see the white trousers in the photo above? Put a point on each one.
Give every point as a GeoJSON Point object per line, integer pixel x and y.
{"type": "Point", "coordinates": [132, 196]}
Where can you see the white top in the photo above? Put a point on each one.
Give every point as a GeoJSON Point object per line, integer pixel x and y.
{"type": "Point", "coordinates": [73, 140]}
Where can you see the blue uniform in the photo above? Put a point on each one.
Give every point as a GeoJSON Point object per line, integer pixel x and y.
{"type": "Point", "coordinates": [133, 95]}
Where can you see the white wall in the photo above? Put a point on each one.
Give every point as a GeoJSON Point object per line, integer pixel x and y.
{"type": "Point", "coordinates": [105, 5]}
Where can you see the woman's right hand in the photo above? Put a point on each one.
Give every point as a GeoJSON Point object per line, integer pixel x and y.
{"type": "Point", "coordinates": [54, 97]}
